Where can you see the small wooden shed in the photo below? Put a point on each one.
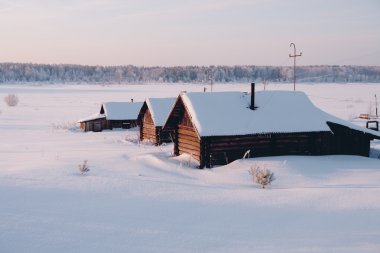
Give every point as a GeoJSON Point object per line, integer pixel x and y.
{"type": "Point", "coordinates": [220, 127]}
{"type": "Point", "coordinates": [152, 117]}
{"type": "Point", "coordinates": [95, 123]}
{"type": "Point", "coordinates": [113, 115]}
{"type": "Point", "coordinates": [121, 114]}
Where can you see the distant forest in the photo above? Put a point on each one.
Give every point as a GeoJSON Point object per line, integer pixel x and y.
{"type": "Point", "coordinates": [65, 73]}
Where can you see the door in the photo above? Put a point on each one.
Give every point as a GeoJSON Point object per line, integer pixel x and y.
{"type": "Point", "coordinates": [97, 126]}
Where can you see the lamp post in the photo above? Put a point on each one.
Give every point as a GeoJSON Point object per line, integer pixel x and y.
{"type": "Point", "coordinates": [295, 55]}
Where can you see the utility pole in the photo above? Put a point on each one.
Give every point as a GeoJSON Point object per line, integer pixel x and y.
{"type": "Point", "coordinates": [211, 76]}
{"type": "Point", "coordinates": [295, 55]}
{"type": "Point", "coordinates": [376, 106]}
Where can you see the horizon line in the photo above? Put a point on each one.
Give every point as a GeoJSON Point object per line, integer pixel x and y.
{"type": "Point", "coordinates": [184, 66]}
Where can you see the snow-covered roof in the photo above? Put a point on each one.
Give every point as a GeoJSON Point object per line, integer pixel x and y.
{"type": "Point", "coordinates": [228, 113]}
{"type": "Point", "coordinates": [92, 117]}
{"type": "Point", "coordinates": [121, 110]}
{"type": "Point", "coordinates": [160, 109]}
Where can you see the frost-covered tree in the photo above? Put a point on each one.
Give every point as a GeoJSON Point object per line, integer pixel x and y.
{"type": "Point", "coordinates": [261, 175]}
{"type": "Point", "coordinates": [63, 73]}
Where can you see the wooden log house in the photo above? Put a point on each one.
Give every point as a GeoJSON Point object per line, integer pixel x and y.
{"type": "Point", "coordinates": [95, 123]}
{"type": "Point", "coordinates": [113, 115]}
{"type": "Point", "coordinates": [152, 117]}
{"type": "Point", "coordinates": [218, 128]}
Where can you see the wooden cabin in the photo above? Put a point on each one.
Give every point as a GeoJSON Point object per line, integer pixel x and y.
{"type": "Point", "coordinates": [121, 114]}
{"type": "Point", "coordinates": [218, 128]}
{"type": "Point", "coordinates": [152, 117]}
{"type": "Point", "coordinates": [113, 115]}
{"type": "Point", "coordinates": [95, 123]}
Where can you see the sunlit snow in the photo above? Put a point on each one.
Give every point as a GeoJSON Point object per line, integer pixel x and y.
{"type": "Point", "coordinates": [139, 198]}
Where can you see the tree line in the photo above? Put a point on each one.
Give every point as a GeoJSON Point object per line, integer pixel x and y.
{"type": "Point", "coordinates": [66, 73]}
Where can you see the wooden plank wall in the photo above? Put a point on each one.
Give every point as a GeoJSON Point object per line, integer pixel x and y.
{"type": "Point", "coordinates": [225, 149]}
{"type": "Point", "coordinates": [148, 130]}
{"type": "Point", "coordinates": [163, 135]}
{"type": "Point", "coordinates": [122, 123]}
{"type": "Point", "coordinates": [222, 150]}
{"type": "Point", "coordinates": [91, 125]}
{"type": "Point", "coordinates": [175, 117]}
{"type": "Point", "coordinates": [188, 142]}
{"type": "Point", "coordinates": [346, 141]}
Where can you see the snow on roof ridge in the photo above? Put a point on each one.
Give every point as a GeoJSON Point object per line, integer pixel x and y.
{"type": "Point", "coordinates": [121, 110]}
{"type": "Point", "coordinates": [92, 117]}
{"type": "Point", "coordinates": [160, 109]}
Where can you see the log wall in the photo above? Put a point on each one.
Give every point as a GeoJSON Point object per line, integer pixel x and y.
{"type": "Point", "coordinates": [346, 141]}
{"type": "Point", "coordinates": [125, 124]}
{"type": "Point", "coordinates": [221, 150]}
{"type": "Point", "coordinates": [188, 142]}
{"type": "Point", "coordinates": [149, 131]}
{"type": "Point", "coordinates": [164, 135]}
{"type": "Point", "coordinates": [186, 138]}
{"type": "Point", "coordinates": [147, 128]}
{"type": "Point", "coordinates": [95, 125]}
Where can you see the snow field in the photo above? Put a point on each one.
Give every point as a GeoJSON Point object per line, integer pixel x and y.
{"type": "Point", "coordinates": [138, 198]}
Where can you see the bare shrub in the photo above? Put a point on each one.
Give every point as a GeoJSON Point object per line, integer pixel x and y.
{"type": "Point", "coordinates": [261, 175]}
{"type": "Point", "coordinates": [133, 137]}
{"type": "Point", "coordinates": [69, 125]}
{"type": "Point", "coordinates": [146, 142]}
{"type": "Point", "coordinates": [188, 160]}
{"type": "Point", "coordinates": [11, 99]}
{"type": "Point", "coordinates": [83, 168]}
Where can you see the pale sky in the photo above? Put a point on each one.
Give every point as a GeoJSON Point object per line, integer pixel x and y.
{"type": "Point", "coordinates": [190, 32]}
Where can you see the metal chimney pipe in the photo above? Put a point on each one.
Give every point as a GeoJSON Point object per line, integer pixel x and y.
{"type": "Point", "coordinates": [253, 107]}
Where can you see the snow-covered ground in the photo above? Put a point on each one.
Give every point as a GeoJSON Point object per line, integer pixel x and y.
{"type": "Point", "coordinates": [138, 198]}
